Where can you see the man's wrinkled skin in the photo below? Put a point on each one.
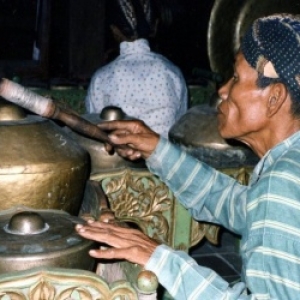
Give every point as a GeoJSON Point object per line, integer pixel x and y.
{"type": "Point", "coordinates": [127, 243]}
{"type": "Point", "coordinates": [139, 138]}
{"type": "Point", "coordinates": [260, 118]}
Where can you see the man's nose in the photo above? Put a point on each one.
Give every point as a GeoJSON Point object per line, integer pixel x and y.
{"type": "Point", "coordinates": [224, 90]}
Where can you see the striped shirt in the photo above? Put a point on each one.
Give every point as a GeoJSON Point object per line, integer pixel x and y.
{"type": "Point", "coordinates": [146, 85]}
{"type": "Point", "coordinates": [266, 214]}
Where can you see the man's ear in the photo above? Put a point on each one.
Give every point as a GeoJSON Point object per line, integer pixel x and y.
{"type": "Point", "coordinates": [277, 97]}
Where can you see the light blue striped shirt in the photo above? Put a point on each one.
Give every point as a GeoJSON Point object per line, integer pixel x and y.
{"type": "Point", "coordinates": [266, 214]}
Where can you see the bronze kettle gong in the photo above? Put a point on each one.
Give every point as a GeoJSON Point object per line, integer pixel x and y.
{"type": "Point", "coordinates": [41, 167]}
{"type": "Point", "coordinates": [101, 161]}
{"type": "Point", "coordinates": [197, 132]}
{"type": "Point", "coordinates": [42, 238]}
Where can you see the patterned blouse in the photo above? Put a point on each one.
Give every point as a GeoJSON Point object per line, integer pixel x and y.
{"type": "Point", "coordinates": [144, 84]}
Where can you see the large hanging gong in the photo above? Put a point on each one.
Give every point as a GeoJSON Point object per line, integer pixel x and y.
{"type": "Point", "coordinates": [228, 22]}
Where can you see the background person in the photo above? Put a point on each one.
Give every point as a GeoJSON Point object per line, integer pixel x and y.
{"type": "Point", "coordinates": [260, 107]}
{"type": "Point", "coordinates": [146, 85]}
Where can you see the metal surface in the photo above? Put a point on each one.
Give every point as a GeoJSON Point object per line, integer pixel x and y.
{"type": "Point", "coordinates": [197, 132]}
{"type": "Point", "coordinates": [41, 238]}
{"type": "Point", "coordinates": [26, 222]}
{"type": "Point", "coordinates": [228, 21]}
{"type": "Point", "coordinates": [110, 113]}
{"type": "Point", "coordinates": [101, 161]}
{"type": "Point", "coordinates": [147, 282]}
{"type": "Point", "coordinates": [41, 167]}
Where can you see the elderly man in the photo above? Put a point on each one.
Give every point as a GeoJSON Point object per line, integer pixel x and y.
{"type": "Point", "coordinates": [261, 107]}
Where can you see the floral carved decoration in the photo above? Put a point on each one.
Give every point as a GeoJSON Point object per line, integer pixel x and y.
{"type": "Point", "coordinates": [141, 200]}
{"type": "Point", "coordinates": [62, 284]}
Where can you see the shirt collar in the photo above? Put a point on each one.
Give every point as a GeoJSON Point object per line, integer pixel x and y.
{"type": "Point", "coordinates": [137, 46]}
{"type": "Point", "coordinates": [273, 154]}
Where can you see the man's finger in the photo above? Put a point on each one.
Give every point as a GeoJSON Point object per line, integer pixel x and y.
{"type": "Point", "coordinates": [132, 254]}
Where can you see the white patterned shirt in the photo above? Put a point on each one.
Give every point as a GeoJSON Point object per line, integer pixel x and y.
{"type": "Point", "coordinates": [144, 84]}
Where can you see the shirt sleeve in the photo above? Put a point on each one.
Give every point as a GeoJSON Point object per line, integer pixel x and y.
{"type": "Point", "coordinates": [270, 239]}
{"type": "Point", "coordinates": [185, 279]}
{"type": "Point", "coordinates": [208, 194]}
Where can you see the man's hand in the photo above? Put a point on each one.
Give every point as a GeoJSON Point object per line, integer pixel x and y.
{"type": "Point", "coordinates": [139, 139]}
{"type": "Point", "coordinates": [126, 243]}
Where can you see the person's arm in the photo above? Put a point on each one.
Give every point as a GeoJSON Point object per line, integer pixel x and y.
{"type": "Point", "coordinates": [185, 279]}
{"type": "Point", "coordinates": [139, 138]}
{"type": "Point", "coordinates": [175, 270]}
{"type": "Point", "coordinates": [209, 195]}
{"type": "Point", "coordinates": [269, 248]}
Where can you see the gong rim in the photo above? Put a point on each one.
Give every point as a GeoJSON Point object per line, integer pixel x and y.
{"type": "Point", "coordinates": [228, 22]}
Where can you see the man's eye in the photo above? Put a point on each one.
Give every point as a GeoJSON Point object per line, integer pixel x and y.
{"type": "Point", "coordinates": [234, 77]}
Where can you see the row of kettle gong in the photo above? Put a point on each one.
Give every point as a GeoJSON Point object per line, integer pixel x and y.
{"type": "Point", "coordinates": [44, 170]}
{"type": "Point", "coordinates": [42, 182]}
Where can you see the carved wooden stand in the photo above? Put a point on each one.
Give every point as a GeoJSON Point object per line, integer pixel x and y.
{"type": "Point", "coordinates": [139, 197]}
{"type": "Point", "coordinates": [134, 196]}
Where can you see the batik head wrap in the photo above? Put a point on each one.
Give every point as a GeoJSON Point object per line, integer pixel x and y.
{"type": "Point", "coordinates": [135, 18]}
{"type": "Point", "coordinates": [272, 47]}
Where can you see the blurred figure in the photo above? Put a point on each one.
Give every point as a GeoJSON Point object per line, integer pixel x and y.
{"type": "Point", "coordinates": [145, 84]}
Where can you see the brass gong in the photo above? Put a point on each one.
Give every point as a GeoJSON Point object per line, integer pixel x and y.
{"type": "Point", "coordinates": [228, 22]}
{"type": "Point", "coordinates": [41, 167]}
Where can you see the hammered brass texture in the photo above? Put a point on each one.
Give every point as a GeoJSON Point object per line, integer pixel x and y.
{"type": "Point", "coordinates": [197, 133]}
{"type": "Point", "coordinates": [41, 167]}
{"type": "Point", "coordinates": [198, 127]}
{"type": "Point", "coordinates": [61, 284]}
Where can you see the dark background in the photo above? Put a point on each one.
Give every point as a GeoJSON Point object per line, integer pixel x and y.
{"type": "Point", "coordinates": [74, 38]}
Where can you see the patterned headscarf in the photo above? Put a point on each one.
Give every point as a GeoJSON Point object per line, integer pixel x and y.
{"type": "Point", "coordinates": [135, 18]}
{"type": "Point", "coordinates": [272, 47]}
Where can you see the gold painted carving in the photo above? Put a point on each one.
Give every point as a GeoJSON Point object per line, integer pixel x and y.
{"type": "Point", "coordinates": [141, 200]}
{"type": "Point", "coordinates": [140, 197]}
{"type": "Point", "coordinates": [61, 284]}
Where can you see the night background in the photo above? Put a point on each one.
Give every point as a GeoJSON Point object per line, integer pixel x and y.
{"type": "Point", "coordinates": [74, 40]}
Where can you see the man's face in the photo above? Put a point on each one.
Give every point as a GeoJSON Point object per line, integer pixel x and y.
{"type": "Point", "coordinates": [242, 112]}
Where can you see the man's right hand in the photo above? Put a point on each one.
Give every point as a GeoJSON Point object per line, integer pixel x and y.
{"type": "Point", "coordinates": [125, 243]}
{"type": "Point", "coordinates": [139, 139]}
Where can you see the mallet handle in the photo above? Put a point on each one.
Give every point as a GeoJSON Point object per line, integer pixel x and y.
{"type": "Point", "coordinates": [46, 107]}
